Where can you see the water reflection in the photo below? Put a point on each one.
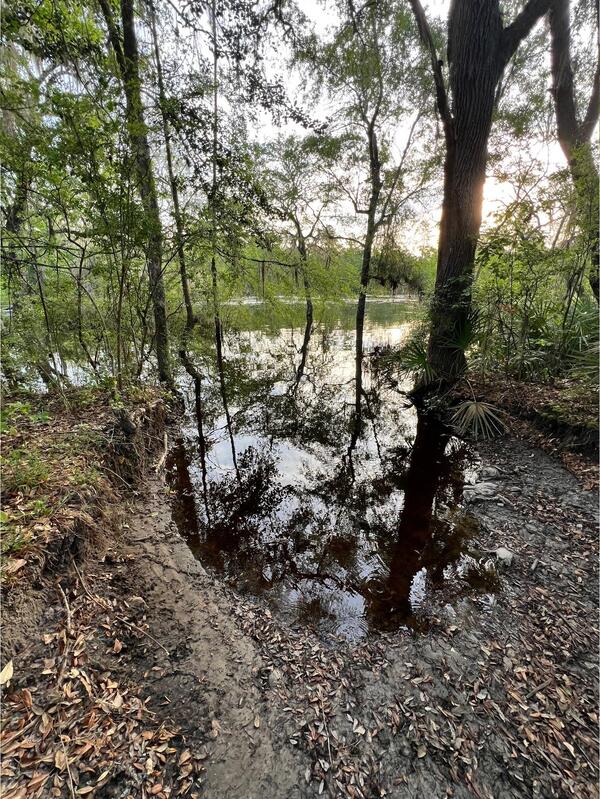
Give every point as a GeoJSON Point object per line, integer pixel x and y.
{"type": "Point", "coordinates": [351, 530]}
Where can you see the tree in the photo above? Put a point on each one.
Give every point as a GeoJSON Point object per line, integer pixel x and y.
{"type": "Point", "coordinates": [125, 48]}
{"type": "Point", "coordinates": [301, 195]}
{"type": "Point", "coordinates": [370, 63]}
{"type": "Point", "coordinates": [574, 135]}
{"type": "Point", "coordinates": [478, 50]}
{"type": "Point", "coordinates": [177, 215]}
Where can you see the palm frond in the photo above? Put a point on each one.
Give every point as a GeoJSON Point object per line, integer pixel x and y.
{"type": "Point", "coordinates": [414, 360]}
{"type": "Point", "coordinates": [478, 419]}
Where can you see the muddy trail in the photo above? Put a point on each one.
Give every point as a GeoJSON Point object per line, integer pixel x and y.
{"type": "Point", "coordinates": [492, 702]}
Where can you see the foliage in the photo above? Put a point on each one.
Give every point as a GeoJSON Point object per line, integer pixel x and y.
{"type": "Point", "coordinates": [536, 312]}
{"type": "Point", "coordinates": [478, 419]}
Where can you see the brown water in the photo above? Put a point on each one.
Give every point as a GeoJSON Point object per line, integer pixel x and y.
{"type": "Point", "coordinates": [352, 534]}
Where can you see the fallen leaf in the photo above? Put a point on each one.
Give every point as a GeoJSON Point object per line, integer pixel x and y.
{"type": "Point", "coordinates": [13, 566]}
{"type": "Point", "coordinates": [6, 673]}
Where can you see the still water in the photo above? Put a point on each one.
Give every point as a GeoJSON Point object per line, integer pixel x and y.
{"type": "Point", "coordinates": [350, 530]}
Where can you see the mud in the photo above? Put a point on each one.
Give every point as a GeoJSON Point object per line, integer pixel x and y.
{"type": "Point", "coordinates": [492, 701]}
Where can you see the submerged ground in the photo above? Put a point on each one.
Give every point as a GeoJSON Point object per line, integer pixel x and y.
{"type": "Point", "coordinates": [402, 615]}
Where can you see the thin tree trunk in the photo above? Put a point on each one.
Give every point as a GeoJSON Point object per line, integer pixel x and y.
{"type": "Point", "coordinates": [213, 262]}
{"type": "Point", "coordinates": [127, 56]}
{"type": "Point", "coordinates": [360, 322]}
{"type": "Point", "coordinates": [301, 247]}
{"type": "Point", "coordinates": [307, 331]}
{"type": "Point", "coordinates": [91, 359]}
{"type": "Point", "coordinates": [185, 287]}
{"type": "Point", "coordinates": [376, 186]}
{"type": "Point", "coordinates": [574, 136]}
{"type": "Point", "coordinates": [197, 378]}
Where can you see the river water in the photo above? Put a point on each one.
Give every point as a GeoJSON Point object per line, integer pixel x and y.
{"type": "Point", "coordinates": [353, 531]}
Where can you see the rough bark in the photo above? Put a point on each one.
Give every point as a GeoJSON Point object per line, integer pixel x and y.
{"type": "Point", "coordinates": [478, 50]}
{"type": "Point", "coordinates": [127, 55]}
{"type": "Point", "coordinates": [575, 136]}
{"type": "Point", "coordinates": [474, 45]}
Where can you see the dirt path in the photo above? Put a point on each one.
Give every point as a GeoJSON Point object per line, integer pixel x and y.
{"type": "Point", "coordinates": [494, 702]}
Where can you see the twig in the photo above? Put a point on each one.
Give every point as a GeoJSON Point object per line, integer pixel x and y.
{"type": "Point", "coordinates": [108, 607]}
{"type": "Point", "coordinates": [162, 458]}
{"type": "Point", "coordinates": [326, 732]}
{"type": "Point", "coordinates": [71, 786]}
{"type": "Point", "coordinates": [67, 608]}
{"type": "Point", "coordinates": [539, 687]}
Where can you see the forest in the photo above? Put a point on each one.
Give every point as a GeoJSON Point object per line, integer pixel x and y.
{"type": "Point", "coordinates": [299, 364]}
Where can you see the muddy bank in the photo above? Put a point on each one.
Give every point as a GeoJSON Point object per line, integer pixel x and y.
{"type": "Point", "coordinates": [491, 703]}
{"type": "Point", "coordinates": [500, 702]}
{"type": "Point", "coordinates": [559, 417]}
{"type": "Point", "coordinates": [187, 688]}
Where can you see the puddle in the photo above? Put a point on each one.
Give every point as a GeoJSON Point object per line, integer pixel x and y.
{"type": "Point", "coordinates": [351, 534]}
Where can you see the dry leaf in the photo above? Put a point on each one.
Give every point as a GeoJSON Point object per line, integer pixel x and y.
{"type": "Point", "coordinates": [6, 673]}
{"type": "Point", "coordinates": [60, 760]}
{"type": "Point", "coordinates": [13, 566]}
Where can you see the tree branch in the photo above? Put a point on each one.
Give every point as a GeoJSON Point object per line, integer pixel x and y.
{"type": "Point", "coordinates": [593, 109]}
{"type": "Point", "coordinates": [519, 29]}
{"type": "Point", "coordinates": [441, 94]}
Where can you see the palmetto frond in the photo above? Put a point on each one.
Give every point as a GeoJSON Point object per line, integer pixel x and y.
{"type": "Point", "coordinates": [478, 419]}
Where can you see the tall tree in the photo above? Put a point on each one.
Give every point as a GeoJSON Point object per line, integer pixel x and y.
{"type": "Point", "coordinates": [301, 196]}
{"type": "Point", "coordinates": [574, 134]}
{"type": "Point", "coordinates": [371, 65]}
{"type": "Point", "coordinates": [173, 184]}
{"type": "Point", "coordinates": [126, 51]}
{"type": "Point", "coordinates": [479, 48]}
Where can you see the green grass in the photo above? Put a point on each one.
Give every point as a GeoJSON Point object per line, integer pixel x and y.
{"type": "Point", "coordinates": [23, 470]}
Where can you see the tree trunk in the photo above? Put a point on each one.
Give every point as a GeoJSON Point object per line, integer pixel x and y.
{"type": "Point", "coordinates": [307, 331]}
{"type": "Point", "coordinates": [185, 287]}
{"type": "Point", "coordinates": [197, 378]}
{"type": "Point", "coordinates": [127, 56]}
{"type": "Point", "coordinates": [301, 247]}
{"type": "Point", "coordinates": [478, 50]}
{"type": "Point", "coordinates": [360, 321]}
{"type": "Point", "coordinates": [573, 136]}
{"type": "Point", "coordinates": [376, 186]}
{"type": "Point", "coordinates": [474, 39]}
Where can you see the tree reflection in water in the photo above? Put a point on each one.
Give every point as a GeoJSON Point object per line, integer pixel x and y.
{"type": "Point", "coordinates": [348, 529]}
